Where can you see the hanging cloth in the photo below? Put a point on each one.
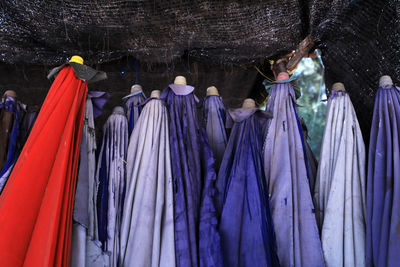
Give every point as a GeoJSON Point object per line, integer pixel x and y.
{"type": "Point", "coordinates": [133, 108]}
{"type": "Point", "coordinates": [147, 230]}
{"type": "Point", "coordinates": [383, 182]}
{"type": "Point", "coordinates": [111, 178]}
{"type": "Point", "coordinates": [340, 185]}
{"type": "Point", "coordinates": [26, 125]}
{"type": "Point", "coordinates": [197, 241]}
{"type": "Point", "coordinates": [36, 204]}
{"type": "Point", "coordinates": [215, 118]}
{"type": "Point", "coordinates": [84, 215]}
{"type": "Point", "coordinates": [312, 162]}
{"type": "Point", "coordinates": [296, 230]}
{"type": "Point", "coordinates": [7, 117]}
{"type": "Point", "coordinates": [246, 228]}
{"type": "Point", "coordinates": [10, 115]}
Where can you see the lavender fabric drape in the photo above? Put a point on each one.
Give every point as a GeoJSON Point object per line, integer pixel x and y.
{"type": "Point", "coordinates": [133, 109]}
{"type": "Point", "coordinates": [246, 227]}
{"type": "Point", "coordinates": [84, 229]}
{"type": "Point", "coordinates": [214, 115]}
{"type": "Point", "coordinates": [340, 185]}
{"type": "Point", "coordinates": [296, 230]}
{"type": "Point", "coordinates": [383, 181]}
{"type": "Point", "coordinates": [111, 178]}
{"type": "Point", "coordinates": [197, 241]}
{"type": "Point", "coordinates": [147, 229]}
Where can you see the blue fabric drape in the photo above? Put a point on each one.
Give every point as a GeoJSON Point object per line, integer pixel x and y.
{"type": "Point", "coordinates": [214, 118]}
{"type": "Point", "coordinates": [383, 181]}
{"type": "Point", "coordinates": [246, 227]}
{"type": "Point", "coordinates": [196, 238]}
{"type": "Point", "coordinates": [298, 242]}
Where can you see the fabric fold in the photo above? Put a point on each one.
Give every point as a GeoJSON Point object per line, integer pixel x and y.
{"type": "Point", "coordinates": [214, 116]}
{"type": "Point", "coordinates": [110, 181]}
{"type": "Point", "coordinates": [133, 109]}
{"type": "Point", "coordinates": [197, 242]}
{"type": "Point", "coordinates": [84, 214]}
{"type": "Point", "coordinates": [245, 223]}
{"type": "Point", "coordinates": [340, 186]}
{"type": "Point", "coordinates": [383, 180]}
{"type": "Point", "coordinates": [296, 230]}
{"type": "Point", "coordinates": [147, 229]}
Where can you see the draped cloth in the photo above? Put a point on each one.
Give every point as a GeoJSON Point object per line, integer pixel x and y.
{"type": "Point", "coordinates": [215, 117]}
{"type": "Point", "coordinates": [10, 120]}
{"type": "Point", "coordinates": [147, 229]}
{"type": "Point", "coordinates": [133, 108]}
{"type": "Point", "coordinates": [84, 229]}
{"type": "Point", "coordinates": [340, 185]}
{"type": "Point", "coordinates": [197, 242]}
{"type": "Point", "coordinates": [296, 230]}
{"type": "Point", "coordinates": [111, 179]}
{"type": "Point", "coordinates": [246, 227]}
{"type": "Point", "coordinates": [36, 204]}
{"type": "Point", "coordinates": [383, 181]}
{"type": "Point", "coordinates": [312, 163]}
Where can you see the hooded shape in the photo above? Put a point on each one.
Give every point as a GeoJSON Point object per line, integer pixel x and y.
{"type": "Point", "coordinates": [133, 108]}
{"type": "Point", "coordinates": [214, 119]}
{"type": "Point", "coordinates": [147, 229]}
{"type": "Point", "coordinates": [246, 228]}
{"type": "Point", "coordinates": [383, 182]}
{"type": "Point", "coordinates": [296, 230]}
{"type": "Point", "coordinates": [111, 178]}
{"type": "Point", "coordinates": [197, 241]}
{"type": "Point", "coordinates": [340, 185]}
{"type": "Point", "coordinates": [44, 180]}
{"type": "Point", "coordinates": [10, 117]}
{"type": "Point", "coordinates": [84, 215]}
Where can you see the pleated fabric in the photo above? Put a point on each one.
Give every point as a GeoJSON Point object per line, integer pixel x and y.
{"type": "Point", "coordinates": [197, 242]}
{"type": "Point", "coordinates": [111, 176]}
{"type": "Point", "coordinates": [147, 229]}
{"type": "Point", "coordinates": [383, 181]}
{"type": "Point", "coordinates": [10, 117]}
{"type": "Point", "coordinates": [133, 108]}
{"type": "Point", "coordinates": [245, 224]}
{"type": "Point", "coordinates": [214, 115]}
{"type": "Point", "coordinates": [340, 185]}
{"type": "Point", "coordinates": [84, 215]}
{"type": "Point", "coordinates": [296, 230]}
{"type": "Point", "coordinates": [37, 201]}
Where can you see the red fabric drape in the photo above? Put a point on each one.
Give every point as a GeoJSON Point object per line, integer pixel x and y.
{"type": "Point", "coordinates": [36, 204]}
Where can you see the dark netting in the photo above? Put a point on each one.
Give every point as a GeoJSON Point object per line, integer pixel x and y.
{"type": "Point", "coordinates": [210, 42]}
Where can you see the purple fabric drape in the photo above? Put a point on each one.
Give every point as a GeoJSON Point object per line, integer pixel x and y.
{"type": "Point", "coordinates": [383, 181]}
{"type": "Point", "coordinates": [111, 178]}
{"type": "Point", "coordinates": [133, 109]}
{"type": "Point", "coordinates": [246, 228]}
{"type": "Point", "coordinates": [196, 238]}
{"type": "Point", "coordinates": [214, 118]}
{"type": "Point", "coordinates": [298, 242]}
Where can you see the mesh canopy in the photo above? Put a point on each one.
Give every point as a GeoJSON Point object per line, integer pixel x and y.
{"type": "Point", "coordinates": [359, 39]}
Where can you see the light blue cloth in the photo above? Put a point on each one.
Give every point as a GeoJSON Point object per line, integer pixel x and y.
{"type": "Point", "coordinates": [147, 228]}
{"type": "Point", "coordinates": [292, 208]}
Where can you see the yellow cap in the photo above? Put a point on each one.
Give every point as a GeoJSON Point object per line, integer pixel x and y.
{"type": "Point", "coordinates": [76, 59]}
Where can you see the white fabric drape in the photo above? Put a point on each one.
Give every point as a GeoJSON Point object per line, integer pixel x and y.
{"type": "Point", "coordinates": [147, 230]}
{"type": "Point", "coordinates": [340, 186]}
